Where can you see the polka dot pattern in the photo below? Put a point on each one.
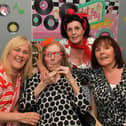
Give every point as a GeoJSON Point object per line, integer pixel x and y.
{"type": "Point", "coordinates": [55, 103]}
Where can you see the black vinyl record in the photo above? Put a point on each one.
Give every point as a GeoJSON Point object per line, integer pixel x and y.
{"type": "Point", "coordinates": [50, 22]}
{"type": "Point", "coordinates": [43, 7]}
{"type": "Point", "coordinates": [4, 10]}
{"type": "Point", "coordinates": [36, 19]}
{"type": "Point", "coordinates": [13, 27]}
{"type": "Point", "coordinates": [64, 7]}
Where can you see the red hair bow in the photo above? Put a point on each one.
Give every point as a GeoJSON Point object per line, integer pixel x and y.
{"type": "Point", "coordinates": [71, 11]}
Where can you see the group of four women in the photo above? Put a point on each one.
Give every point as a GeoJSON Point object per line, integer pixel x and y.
{"type": "Point", "coordinates": [77, 78]}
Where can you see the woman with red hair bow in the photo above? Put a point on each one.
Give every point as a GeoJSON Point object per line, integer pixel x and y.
{"type": "Point", "coordinates": [75, 29]}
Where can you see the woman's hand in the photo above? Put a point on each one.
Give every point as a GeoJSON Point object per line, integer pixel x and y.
{"type": "Point", "coordinates": [67, 73]}
{"type": "Point", "coordinates": [98, 123]}
{"type": "Point", "coordinates": [51, 79]}
{"type": "Point", "coordinates": [31, 118]}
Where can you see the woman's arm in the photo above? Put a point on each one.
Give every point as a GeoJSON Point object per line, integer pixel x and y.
{"type": "Point", "coordinates": [27, 100]}
{"type": "Point", "coordinates": [44, 83]}
{"type": "Point", "coordinates": [43, 71]}
{"type": "Point", "coordinates": [78, 99]}
{"type": "Point", "coordinates": [31, 118]}
{"type": "Point", "coordinates": [67, 73]}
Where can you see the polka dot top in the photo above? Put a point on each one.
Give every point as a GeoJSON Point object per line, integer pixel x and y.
{"type": "Point", "coordinates": [56, 103]}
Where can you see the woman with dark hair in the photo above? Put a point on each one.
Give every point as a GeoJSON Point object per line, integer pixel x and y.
{"type": "Point", "coordinates": [108, 81]}
{"type": "Point", "coordinates": [77, 42]}
{"type": "Point", "coordinates": [75, 29]}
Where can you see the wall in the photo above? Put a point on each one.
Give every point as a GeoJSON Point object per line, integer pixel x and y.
{"type": "Point", "coordinates": [122, 27]}
{"type": "Point", "coordinates": [18, 11]}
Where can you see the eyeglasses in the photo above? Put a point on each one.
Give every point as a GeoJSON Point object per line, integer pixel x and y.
{"type": "Point", "coordinates": [56, 54]}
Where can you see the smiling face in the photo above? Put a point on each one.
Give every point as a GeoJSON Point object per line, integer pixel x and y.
{"type": "Point", "coordinates": [105, 55]}
{"type": "Point", "coordinates": [18, 56]}
{"type": "Point", "coordinates": [75, 32]}
{"type": "Point", "coordinates": [52, 57]}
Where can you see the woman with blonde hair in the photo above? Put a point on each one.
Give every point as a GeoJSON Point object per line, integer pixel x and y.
{"type": "Point", "coordinates": [15, 66]}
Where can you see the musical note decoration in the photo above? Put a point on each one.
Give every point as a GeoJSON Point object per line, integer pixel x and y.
{"type": "Point", "coordinates": [20, 10]}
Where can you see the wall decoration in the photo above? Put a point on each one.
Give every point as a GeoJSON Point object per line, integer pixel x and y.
{"type": "Point", "coordinates": [95, 10]}
{"type": "Point", "coordinates": [103, 15]}
{"type": "Point", "coordinates": [43, 7]}
{"type": "Point", "coordinates": [19, 9]}
{"type": "Point", "coordinates": [110, 20]}
{"type": "Point", "coordinates": [15, 19]}
{"type": "Point", "coordinates": [13, 27]}
{"type": "Point", "coordinates": [50, 22]}
{"type": "Point", "coordinates": [4, 9]}
{"type": "Point", "coordinates": [50, 25]}
{"type": "Point", "coordinates": [36, 19]}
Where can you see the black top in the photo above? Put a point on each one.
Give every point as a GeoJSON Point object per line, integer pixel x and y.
{"type": "Point", "coordinates": [110, 102]}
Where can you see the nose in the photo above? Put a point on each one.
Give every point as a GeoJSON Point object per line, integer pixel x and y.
{"type": "Point", "coordinates": [52, 56]}
{"type": "Point", "coordinates": [73, 31]}
{"type": "Point", "coordinates": [21, 54]}
{"type": "Point", "coordinates": [102, 50]}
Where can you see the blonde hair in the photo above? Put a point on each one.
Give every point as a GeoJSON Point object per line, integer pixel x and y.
{"type": "Point", "coordinates": [64, 62]}
{"type": "Point", "coordinates": [13, 43]}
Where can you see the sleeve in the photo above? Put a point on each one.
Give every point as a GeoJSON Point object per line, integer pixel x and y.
{"type": "Point", "coordinates": [80, 100]}
{"type": "Point", "coordinates": [27, 100]}
{"type": "Point", "coordinates": [1, 86]}
{"type": "Point", "coordinates": [64, 42]}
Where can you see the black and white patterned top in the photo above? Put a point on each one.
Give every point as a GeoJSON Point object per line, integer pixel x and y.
{"type": "Point", "coordinates": [110, 102]}
{"type": "Point", "coordinates": [56, 103]}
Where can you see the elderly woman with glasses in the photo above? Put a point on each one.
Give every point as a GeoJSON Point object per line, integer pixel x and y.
{"type": "Point", "coordinates": [57, 96]}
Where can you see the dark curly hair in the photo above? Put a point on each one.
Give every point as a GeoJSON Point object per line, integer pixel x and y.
{"type": "Point", "coordinates": [69, 18]}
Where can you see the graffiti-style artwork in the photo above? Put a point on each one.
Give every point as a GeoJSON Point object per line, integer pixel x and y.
{"type": "Point", "coordinates": [103, 17]}
{"type": "Point", "coordinates": [95, 11]}
{"type": "Point", "coordinates": [110, 24]}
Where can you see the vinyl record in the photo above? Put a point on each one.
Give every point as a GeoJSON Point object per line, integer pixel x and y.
{"type": "Point", "coordinates": [33, 5]}
{"type": "Point", "coordinates": [36, 19]}
{"type": "Point", "coordinates": [13, 27]}
{"type": "Point", "coordinates": [43, 7]}
{"type": "Point", "coordinates": [4, 10]}
{"type": "Point", "coordinates": [64, 7]}
{"type": "Point", "coordinates": [50, 22]}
